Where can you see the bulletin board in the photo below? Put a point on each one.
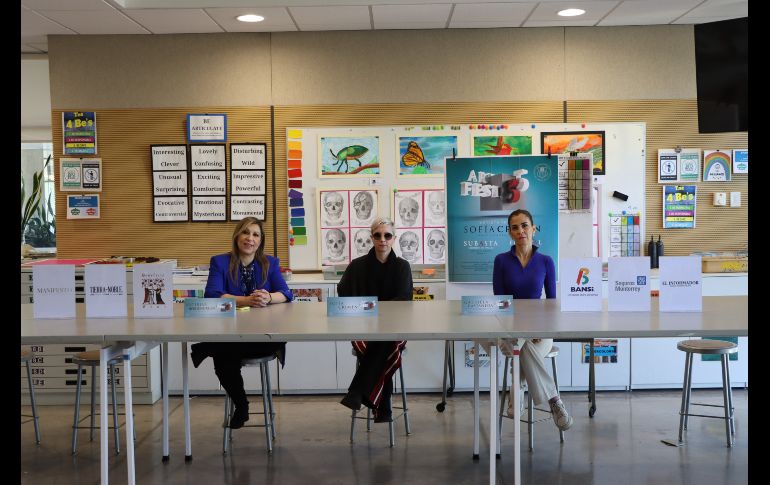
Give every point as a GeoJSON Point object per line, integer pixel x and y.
{"type": "Point", "coordinates": [581, 233]}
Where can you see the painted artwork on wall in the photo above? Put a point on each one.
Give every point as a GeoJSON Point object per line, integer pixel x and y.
{"type": "Point", "coordinates": [348, 156]}
{"type": "Point", "coordinates": [576, 141]}
{"type": "Point", "coordinates": [495, 146]}
{"type": "Point", "coordinates": [424, 155]}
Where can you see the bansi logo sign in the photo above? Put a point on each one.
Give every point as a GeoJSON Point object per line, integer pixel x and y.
{"type": "Point", "coordinates": [581, 281]}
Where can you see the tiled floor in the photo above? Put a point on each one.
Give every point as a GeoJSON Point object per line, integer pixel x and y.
{"type": "Point", "coordinates": [621, 444]}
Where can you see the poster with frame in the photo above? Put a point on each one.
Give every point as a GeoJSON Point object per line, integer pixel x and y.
{"type": "Point", "coordinates": [348, 156]}
{"type": "Point", "coordinates": [209, 209]}
{"type": "Point", "coordinates": [247, 206]}
{"type": "Point", "coordinates": [576, 141]}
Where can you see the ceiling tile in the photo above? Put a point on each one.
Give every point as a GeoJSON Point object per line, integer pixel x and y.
{"type": "Point", "coordinates": [648, 12]}
{"type": "Point", "coordinates": [67, 5]}
{"type": "Point", "coordinates": [96, 21]}
{"type": "Point", "coordinates": [33, 24]}
{"type": "Point", "coordinates": [714, 10]}
{"type": "Point", "coordinates": [176, 21]}
{"type": "Point", "coordinates": [42, 46]}
{"type": "Point", "coordinates": [545, 13]}
{"type": "Point", "coordinates": [430, 16]}
{"type": "Point", "coordinates": [276, 19]}
{"type": "Point", "coordinates": [28, 49]}
{"type": "Point", "coordinates": [482, 15]}
{"type": "Point", "coordinates": [332, 18]}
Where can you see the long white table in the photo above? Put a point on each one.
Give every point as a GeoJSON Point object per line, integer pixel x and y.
{"type": "Point", "coordinates": [431, 320]}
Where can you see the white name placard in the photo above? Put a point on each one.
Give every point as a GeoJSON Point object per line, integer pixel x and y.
{"type": "Point", "coordinates": [105, 288]}
{"type": "Point", "coordinates": [207, 157]}
{"type": "Point", "coordinates": [248, 182]}
{"type": "Point", "coordinates": [209, 182]}
{"type": "Point", "coordinates": [169, 183]}
{"type": "Point", "coordinates": [680, 284]}
{"type": "Point", "coordinates": [169, 157]}
{"type": "Point", "coordinates": [209, 209]}
{"type": "Point", "coordinates": [247, 156]}
{"type": "Point", "coordinates": [581, 284]}
{"type": "Point", "coordinates": [53, 291]}
{"type": "Point", "coordinates": [153, 291]}
{"type": "Point", "coordinates": [247, 206]}
{"type": "Point", "coordinates": [628, 281]}
{"type": "Point", "coordinates": [170, 209]}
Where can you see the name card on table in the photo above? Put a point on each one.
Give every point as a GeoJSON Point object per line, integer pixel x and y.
{"type": "Point", "coordinates": [581, 284]}
{"type": "Point", "coordinates": [53, 291]}
{"type": "Point", "coordinates": [487, 305]}
{"type": "Point", "coordinates": [352, 306]}
{"type": "Point", "coordinates": [209, 307]}
{"type": "Point", "coordinates": [628, 280]}
{"type": "Point", "coordinates": [680, 284]}
{"type": "Point", "coordinates": [153, 291]}
{"type": "Point", "coordinates": [105, 288]}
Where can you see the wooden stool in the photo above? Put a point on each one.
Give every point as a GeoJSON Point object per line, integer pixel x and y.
{"type": "Point", "coordinates": [530, 404]}
{"type": "Point", "coordinates": [26, 356]}
{"type": "Point", "coordinates": [391, 424]}
{"type": "Point", "coordinates": [708, 347]}
{"type": "Point", "coordinates": [267, 405]}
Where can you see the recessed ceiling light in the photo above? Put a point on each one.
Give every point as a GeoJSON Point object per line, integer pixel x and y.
{"type": "Point", "coordinates": [250, 18]}
{"type": "Point", "coordinates": [571, 12]}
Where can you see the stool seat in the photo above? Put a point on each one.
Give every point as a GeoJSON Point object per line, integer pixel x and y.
{"type": "Point", "coordinates": [257, 360]}
{"type": "Point", "coordinates": [90, 357]}
{"type": "Point", "coordinates": [552, 353]}
{"type": "Point", "coordinates": [712, 347]}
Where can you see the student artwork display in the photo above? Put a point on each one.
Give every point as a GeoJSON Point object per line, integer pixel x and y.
{"type": "Point", "coordinates": [716, 166]}
{"type": "Point", "coordinates": [79, 132]}
{"type": "Point", "coordinates": [496, 146]}
{"type": "Point", "coordinates": [345, 217]}
{"type": "Point", "coordinates": [625, 235]}
{"type": "Point", "coordinates": [80, 174]}
{"type": "Point", "coordinates": [576, 141]}
{"type": "Point", "coordinates": [678, 165]}
{"type": "Point", "coordinates": [575, 181]}
{"type": "Point", "coordinates": [420, 218]}
{"type": "Point", "coordinates": [480, 193]}
{"type": "Point", "coordinates": [169, 183]}
{"type": "Point", "coordinates": [679, 202]}
{"type": "Point", "coordinates": [348, 156]}
{"type": "Point", "coordinates": [248, 183]}
{"type": "Point", "coordinates": [425, 155]}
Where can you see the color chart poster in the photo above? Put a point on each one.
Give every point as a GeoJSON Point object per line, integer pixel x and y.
{"type": "Point", "coordinates": [481, 192]}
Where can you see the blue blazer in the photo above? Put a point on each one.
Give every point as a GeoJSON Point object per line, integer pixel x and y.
{"type": "Point", "coordinates": [219, 281]}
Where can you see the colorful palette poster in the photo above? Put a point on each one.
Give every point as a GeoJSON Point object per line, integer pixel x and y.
{"type": "Point", "coordinates": [679, 206]}
{"type": "Point", "coordinates": [79, 132]}
{"type": "Point", "coordinates": [481, 192]}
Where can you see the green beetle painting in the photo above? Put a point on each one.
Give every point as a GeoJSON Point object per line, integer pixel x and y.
{"type": "Point", "coordinates": [353, 152]}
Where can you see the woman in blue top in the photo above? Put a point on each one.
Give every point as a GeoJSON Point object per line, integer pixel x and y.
{"type": "Point", "coordinates": [524, 273]}
{"type": "Point", "coordinates": [253, 279]}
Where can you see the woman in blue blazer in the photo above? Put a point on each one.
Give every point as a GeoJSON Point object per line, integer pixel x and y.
{"type": "Point", "coordinates": [253, 279]}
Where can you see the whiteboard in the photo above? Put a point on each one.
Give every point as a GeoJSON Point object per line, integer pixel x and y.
{"type": "Point", "coordinates": [581, 233]}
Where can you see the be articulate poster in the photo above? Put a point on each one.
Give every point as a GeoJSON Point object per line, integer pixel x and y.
{"type": "Point", "coordinates": [481, 192]}
{"type": "Point", "coordinates": [79, 131]}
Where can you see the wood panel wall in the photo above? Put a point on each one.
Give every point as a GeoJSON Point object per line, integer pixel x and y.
{"type": "Point", "coordinates": [125, 136]}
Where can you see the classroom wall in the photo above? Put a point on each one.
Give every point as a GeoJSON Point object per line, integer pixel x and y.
{"type": "Point", "coordinates": [382, 77]}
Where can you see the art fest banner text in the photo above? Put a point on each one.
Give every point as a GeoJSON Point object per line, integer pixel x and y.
{"type": "Point", "coordinates": [481, 192]}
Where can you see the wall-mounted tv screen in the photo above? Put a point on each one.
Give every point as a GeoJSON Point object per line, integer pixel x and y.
{"type": "Point", "coordinates": [722, 75]}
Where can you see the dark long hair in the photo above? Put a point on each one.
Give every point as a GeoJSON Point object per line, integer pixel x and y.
{"type": "Point", "coordinates": [519, 212]}
{"type": "Point", "coordinates": [235, 255]}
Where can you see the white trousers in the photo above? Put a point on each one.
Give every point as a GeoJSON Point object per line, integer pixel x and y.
{"type": "Point", "coordinates": [533, 370]}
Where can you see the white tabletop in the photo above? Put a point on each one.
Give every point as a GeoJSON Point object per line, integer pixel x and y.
{"type": "Point", "coordinates": [421, 320]}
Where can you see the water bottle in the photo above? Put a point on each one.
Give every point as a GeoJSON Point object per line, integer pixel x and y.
{"type": "Point", "coordinates": [652, 252]}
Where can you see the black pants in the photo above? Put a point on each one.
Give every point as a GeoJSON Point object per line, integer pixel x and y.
{"type": "Point", "coordinates": [373, 377]}
{"type": "Point", "coordinates": [227, 362]}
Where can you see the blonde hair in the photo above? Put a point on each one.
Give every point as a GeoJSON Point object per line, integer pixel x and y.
{"type": "Point", "coordinates": [235, 254]}
{"type": "Point", "coordinates": [383, 221]}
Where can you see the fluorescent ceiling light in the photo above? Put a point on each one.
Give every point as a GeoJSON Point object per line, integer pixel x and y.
{"type": "Point", "coordinates": [250, 18]}
{"type": "Point", "coordinates": [571, 12]}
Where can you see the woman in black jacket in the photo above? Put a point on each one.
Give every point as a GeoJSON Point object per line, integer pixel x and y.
{"type": "Point", "coordinates": [382, 274]}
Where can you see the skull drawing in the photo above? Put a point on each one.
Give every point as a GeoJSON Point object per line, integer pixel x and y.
{"type": "Point", "coordinates": [362, 242]}
{"type": "Point", "coordinates": [332, 203]}
{"type": "Point", "coordinates": [363, 203]}
{"type": "Point", "coordinates": [436, 203]}
{"type": "Point", "coordinates": [410, 245]}
{"type": "Point", "coordinates": [335, 244]}
{"type": "Point", "coordinates": [436, 244]}
{"type": "Point", "coordinates": [408, 209]}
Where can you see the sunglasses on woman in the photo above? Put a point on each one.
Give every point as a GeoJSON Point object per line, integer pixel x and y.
{"type": "Point", "coordinates": [378, 235]}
